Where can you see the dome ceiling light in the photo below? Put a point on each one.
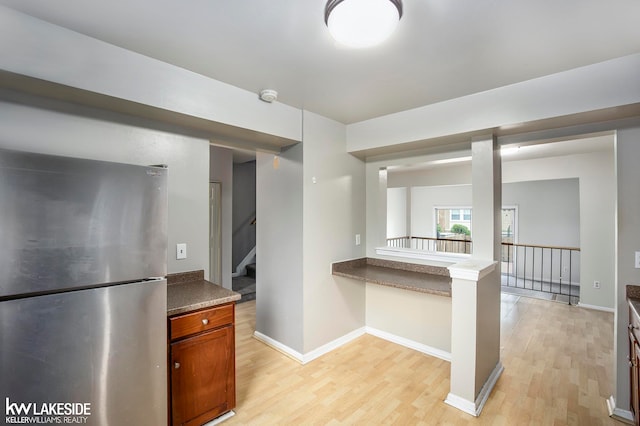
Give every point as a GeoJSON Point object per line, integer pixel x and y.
{"type": "Point", "coordinates": [362, 23]}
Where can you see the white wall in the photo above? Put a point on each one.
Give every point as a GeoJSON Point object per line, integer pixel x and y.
{"type": "Point", "coordinates": [397, 212]}
{"type": "Point", "coordinates": [424, 200]}
{"type": "Point", "coordinates": [221, 170]}
{"type": "Point", "coordinates": [419, 317]}
{"type": "Point", "coordinates": [333, 215]}
{"type": "Point", "coordinates": [279, 247]}
{"type": "Point", "coordinates": [39, 130]}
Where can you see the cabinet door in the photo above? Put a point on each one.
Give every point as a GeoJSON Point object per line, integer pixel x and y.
{"type": "Point", "coordinates": [202, 377]}
{"type": "Point", "coordinates": [634, 369]}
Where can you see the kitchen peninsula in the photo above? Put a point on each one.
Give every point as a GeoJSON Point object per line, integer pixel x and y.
{"type": "Point", "coordinates": [408, 276]}
{"type": "Point", "coordinates": [434, 310]}
{"type": "Point", "coordinates": [406, 303]}
{"type": "Point", "coordinates": [201, 348]}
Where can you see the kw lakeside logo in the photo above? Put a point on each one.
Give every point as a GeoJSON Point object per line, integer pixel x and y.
{"type": "Point", "coordinates": [46, 412]}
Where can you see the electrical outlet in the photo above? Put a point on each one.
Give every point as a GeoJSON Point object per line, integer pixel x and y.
{"type": "Point", "coordinates": [596, 284]}
{"type": "Point", "coordinates": [638, 260]}
{"type": "Point", "coordinates": [357, 239]}
{"type": "Point", "coordinates": [181, 251]}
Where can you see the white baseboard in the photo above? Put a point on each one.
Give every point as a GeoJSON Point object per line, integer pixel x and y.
{"type": "Point", "coordinates": [411, 344]}
{"type": "Point", "coordinates": [284, 349]}
{"type": "Point", "coordinates": [595, 307]}
{"type": "Point", "coordinates": [340, 341]}
{"type": "Point", "coordinates": [624, 416]}
{"type": "Point", "coordinates": [335, 344]}
{"type": "Point", "coordinates": [488, 387]}
{"type": "Point", "coordinates": [314, 354]}
{"type": "Point", "coordinates": [220, 419]}
{"type": "Point", "coordinates": [475, 407]}
{"type": "Point", "coordinates": [461, 404]}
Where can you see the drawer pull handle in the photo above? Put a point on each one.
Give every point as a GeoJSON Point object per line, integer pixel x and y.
{"type": "Point", "coordinates": [176, 365]}
{"type": "Point", "coordinates": [205, 321]}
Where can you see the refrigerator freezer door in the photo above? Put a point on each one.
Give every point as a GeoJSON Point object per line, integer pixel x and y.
{"type": "Point", "coordinates": [103, 346]}
{"type": "Point", "coordinates": [67, 222]}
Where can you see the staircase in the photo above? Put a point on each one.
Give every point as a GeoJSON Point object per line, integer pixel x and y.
{"type": "Point", "coordinates": [246, 285]}
{"type": "Point", "coordinates": [251, 270]}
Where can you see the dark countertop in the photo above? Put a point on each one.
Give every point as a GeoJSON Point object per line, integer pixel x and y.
{"type": "Point", "coordinates": [189, 291]}
{"type": "Point", "coordinates": [407, 276]}
{"type": "Point", "coordinates": [633, 296]}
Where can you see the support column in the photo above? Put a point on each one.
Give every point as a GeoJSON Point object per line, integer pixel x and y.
{"type": "Point", "coordinates": [475, 289]}
{"type": "Point", "coordinates": [486, 181]}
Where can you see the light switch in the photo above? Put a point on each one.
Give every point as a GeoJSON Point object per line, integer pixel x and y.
{"type": "Point", "coordinates": [181, 251]}
{"type": "Point", "coordinates": [638, 260]}
{"type": "Point", "coordinates": [357, 239]}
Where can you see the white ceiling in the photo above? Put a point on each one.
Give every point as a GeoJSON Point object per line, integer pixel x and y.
{"type": "Point", "coordinates": [442, 48]}
{"type": "Point", "coordinates": [520, 152]}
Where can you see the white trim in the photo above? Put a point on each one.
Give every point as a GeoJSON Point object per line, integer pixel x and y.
{"type": "Point", "coordinates": [488, 387]}
{"type": "Point", "coordinates": [284, 349]}
{"type": "Point", "coordinates": [241, 269]}
{"type": "Point", "coordinates": [411, 344]}
{"type": "Point", "coordinates": [340, 341]}
{"type": "Point", "coordinates": [624, 416]}
{"type": "Point", "coordinates": [475, 408]}
{"type": "Point", "coordinates": [334, 344]}
{"type": "Point", "coordinates": [421, 254]}
{"type": "Point", "coordinates": [314, 354]}
{"type": "Point", "coordinates": [595, 307]}
{"type": "Point", "coordinates": [461, 404]}
{"type": "Point", "coordinates": [472, 269]}
{"type": "Point", "coordinates": [220, 419]}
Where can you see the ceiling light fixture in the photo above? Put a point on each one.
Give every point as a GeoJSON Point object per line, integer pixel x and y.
{"type": "Point", "coordinates": [362, 23]}
{"type": "Point", "coordinates": [506, 151]}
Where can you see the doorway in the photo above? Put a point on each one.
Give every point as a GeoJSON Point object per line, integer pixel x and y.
{"type": "Point", "coordinates": [215, 232]}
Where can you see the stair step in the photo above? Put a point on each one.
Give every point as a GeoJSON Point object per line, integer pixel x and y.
{"type": "Point", "coordinates": [251, 270]}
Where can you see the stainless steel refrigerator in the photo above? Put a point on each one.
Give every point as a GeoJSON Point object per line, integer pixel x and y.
{"type": "Point", "coordinates": [82, 291]}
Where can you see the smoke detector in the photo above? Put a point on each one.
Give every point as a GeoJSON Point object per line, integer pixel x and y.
{"type": "Point", "coordinates": [268, 95]}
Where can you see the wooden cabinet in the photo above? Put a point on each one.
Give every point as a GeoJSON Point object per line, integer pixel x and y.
{"type": "Point", "coordinates": [202, 365]}
{"type": "Point", "coordinates": [634, 364]}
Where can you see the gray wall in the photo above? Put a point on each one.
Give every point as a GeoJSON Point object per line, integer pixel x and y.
{"type": "Point", "coordinates": [628, 242]}
{"type": "Point", "coordinates": [279, 306]}
{"type": "Point", "coordinates": [244, 210]}
{"type": "Point", "coordinates": [302, 227]}
{"type": "Point", "coordinates": [333, 215]}
{"type": "Point", "coordinates": [595, 172]}
{"type": "Point", "coordinates": [221, 170]}
{"type": "Point", "coordinates": [41, 130]}
{"type": "Point", "coordinates": [548, 210]}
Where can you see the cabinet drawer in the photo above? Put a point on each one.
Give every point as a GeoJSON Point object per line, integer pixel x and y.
{"type": "Point", "coordinates": [195, 322]}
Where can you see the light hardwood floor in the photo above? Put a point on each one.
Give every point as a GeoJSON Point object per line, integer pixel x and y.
{"type": "Point", "coordinates": [557, 360]}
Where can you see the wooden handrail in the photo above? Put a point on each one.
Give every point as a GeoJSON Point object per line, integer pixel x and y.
{"type": "Point", "coordinates": [543, 247]}
{"type": "Point", "coordinates": [504, 244]}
